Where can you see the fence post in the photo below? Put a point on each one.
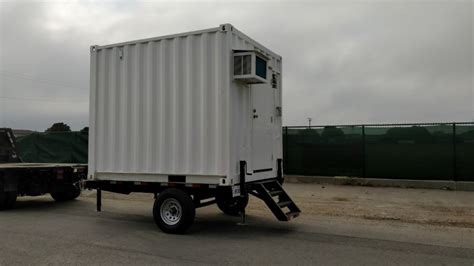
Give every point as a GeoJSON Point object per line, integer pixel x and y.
{"type": "Point", "coordinates": [285, 157]}
{"type": "Point", "coordinates": [363, 152]}
{"type": "Point", "coordinates": [455, 175]}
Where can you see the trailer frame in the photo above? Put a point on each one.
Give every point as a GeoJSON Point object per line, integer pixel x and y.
{"type": "Point", "coordinates": [201, 195]}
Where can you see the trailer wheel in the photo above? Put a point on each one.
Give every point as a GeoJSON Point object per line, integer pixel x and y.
{"type": "Point", "coordinates": [10, 199]}
{"type": "Point", "coordinates": [174, 211]}
{"type": "Point", "coordinates": [70, 193]}
{"type": "Point", "coordinates": [232, 206]}
{"type": "Point", "coordinates": [7, 198]}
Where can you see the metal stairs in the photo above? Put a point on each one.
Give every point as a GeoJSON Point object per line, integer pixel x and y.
{"type": "Point", "coordinates": [279, 202]}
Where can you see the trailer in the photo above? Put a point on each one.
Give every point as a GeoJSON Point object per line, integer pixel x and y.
{"type": "Point", "coordinates": [194, 118]}
{"type": "Point", "coordinates": [17, 178]}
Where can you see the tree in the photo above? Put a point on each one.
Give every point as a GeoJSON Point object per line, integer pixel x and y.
{"type": "Point", "coordinates": [417, 134]}
{"type": "Point", "coordinates": [85, 130]}
{"type": "Point", "coordinates": [331, 132]}
{"type": "Point", "coordinates": [59, 127]}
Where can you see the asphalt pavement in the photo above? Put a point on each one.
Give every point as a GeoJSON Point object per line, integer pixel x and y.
{"type": "Point", "coordinates": [39, 231]}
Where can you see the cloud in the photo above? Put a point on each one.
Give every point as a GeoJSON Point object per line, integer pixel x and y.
{"type": "Point", "coordinates": [344, 62]}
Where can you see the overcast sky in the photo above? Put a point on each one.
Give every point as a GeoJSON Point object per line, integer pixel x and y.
{"type": "Point", "coordinates": [345, 62]}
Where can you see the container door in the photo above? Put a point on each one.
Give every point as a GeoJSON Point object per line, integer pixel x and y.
{"type": "Point", "coordinates": [262, 138]}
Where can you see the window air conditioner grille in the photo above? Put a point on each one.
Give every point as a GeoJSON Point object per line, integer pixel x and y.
{"type": "Point", "coordinates": [238, 65]}
{"type": "Point", "coordinates": [247, 65]}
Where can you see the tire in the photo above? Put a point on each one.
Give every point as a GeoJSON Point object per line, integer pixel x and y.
{"type": "Point", "coordinates": [232, 206]}
{"type": "Point", "coordinates": [174, 211]}
{"type": "Point", "coordinates": [70, 193]}
{"type": "Point", "coordinates": [10, 199]}
{"type": "Point", "coordinates": [7, 198]}
{"type": "Point", "coordinates": [3, 200]}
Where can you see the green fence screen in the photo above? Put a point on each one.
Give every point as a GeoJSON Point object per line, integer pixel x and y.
{"type": "Point", "coordinates": [323, 151]}
{"type": "Point", "coordinates": [407, 151]}
{"type": "Point", "coordinates": [54, 147]}
{"type": "Point", "coordinates": [464, 151]}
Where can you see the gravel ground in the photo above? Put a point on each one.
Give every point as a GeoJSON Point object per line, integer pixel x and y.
{"type": "Point", "coordinates": [419, 206]}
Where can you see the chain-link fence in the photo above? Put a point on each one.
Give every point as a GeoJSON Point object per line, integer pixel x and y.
{"type": "Point", "coordinates": [443, 151]}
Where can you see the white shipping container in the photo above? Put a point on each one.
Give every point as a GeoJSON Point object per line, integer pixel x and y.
{"type": "Point", "coordinates": [192, 104]}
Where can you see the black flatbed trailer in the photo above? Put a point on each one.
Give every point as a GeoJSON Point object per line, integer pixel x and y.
{"type": "Point", "coordinates": [61, 180]}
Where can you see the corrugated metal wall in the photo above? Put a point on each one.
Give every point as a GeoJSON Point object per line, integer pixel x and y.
{"type": "Point", "coordinates": [160, 106]}
{"type": "Point", "coordinates": [169, 106]}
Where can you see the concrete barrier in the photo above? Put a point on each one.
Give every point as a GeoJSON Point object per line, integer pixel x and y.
{"type": "Point", "coordinates": [381, 182]}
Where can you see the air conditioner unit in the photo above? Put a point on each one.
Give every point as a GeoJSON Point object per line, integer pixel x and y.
{"type": "Point", "coordinates": [250, 67]}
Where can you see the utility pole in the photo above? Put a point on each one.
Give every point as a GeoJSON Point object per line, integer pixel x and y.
{"type": "Point", "coordinates": [309, 122]}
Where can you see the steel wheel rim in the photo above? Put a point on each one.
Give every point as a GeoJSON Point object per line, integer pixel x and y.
{"type": "Point", "coordinates": [171, 211]}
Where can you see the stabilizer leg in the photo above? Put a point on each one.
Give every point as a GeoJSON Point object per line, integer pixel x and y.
{"type": "Point", "coordinates": [99, 200]}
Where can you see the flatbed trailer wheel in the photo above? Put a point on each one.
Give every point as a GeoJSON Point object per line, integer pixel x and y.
{"type": "Point", "coordinates": [231, 206]}
{"type": "Point", "coordinates": [70, 193]}
{"type": "Point", "coordinates": [7, 199]}
{"type": "Point", "coordinates": [174, 211]}
{"type": "Point", "coordinates": [11, 199]}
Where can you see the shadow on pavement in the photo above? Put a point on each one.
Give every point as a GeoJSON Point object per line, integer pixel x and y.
{"type": "Point", "coordinates": [220, 224]}
{"type": "Point", "coordinates": [35, 204]}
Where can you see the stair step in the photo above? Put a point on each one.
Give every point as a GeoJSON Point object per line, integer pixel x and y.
{"type": "Point", "coordinates": [267, 181]}
{"type": "Point", "coordinates": [292, 215]}
{"type": "Point", "coordinates": [284, 204]}
{"type": "Point", "coordinates": [275, 192]}
{"type": "Point", "coordinates": [267, 191]}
